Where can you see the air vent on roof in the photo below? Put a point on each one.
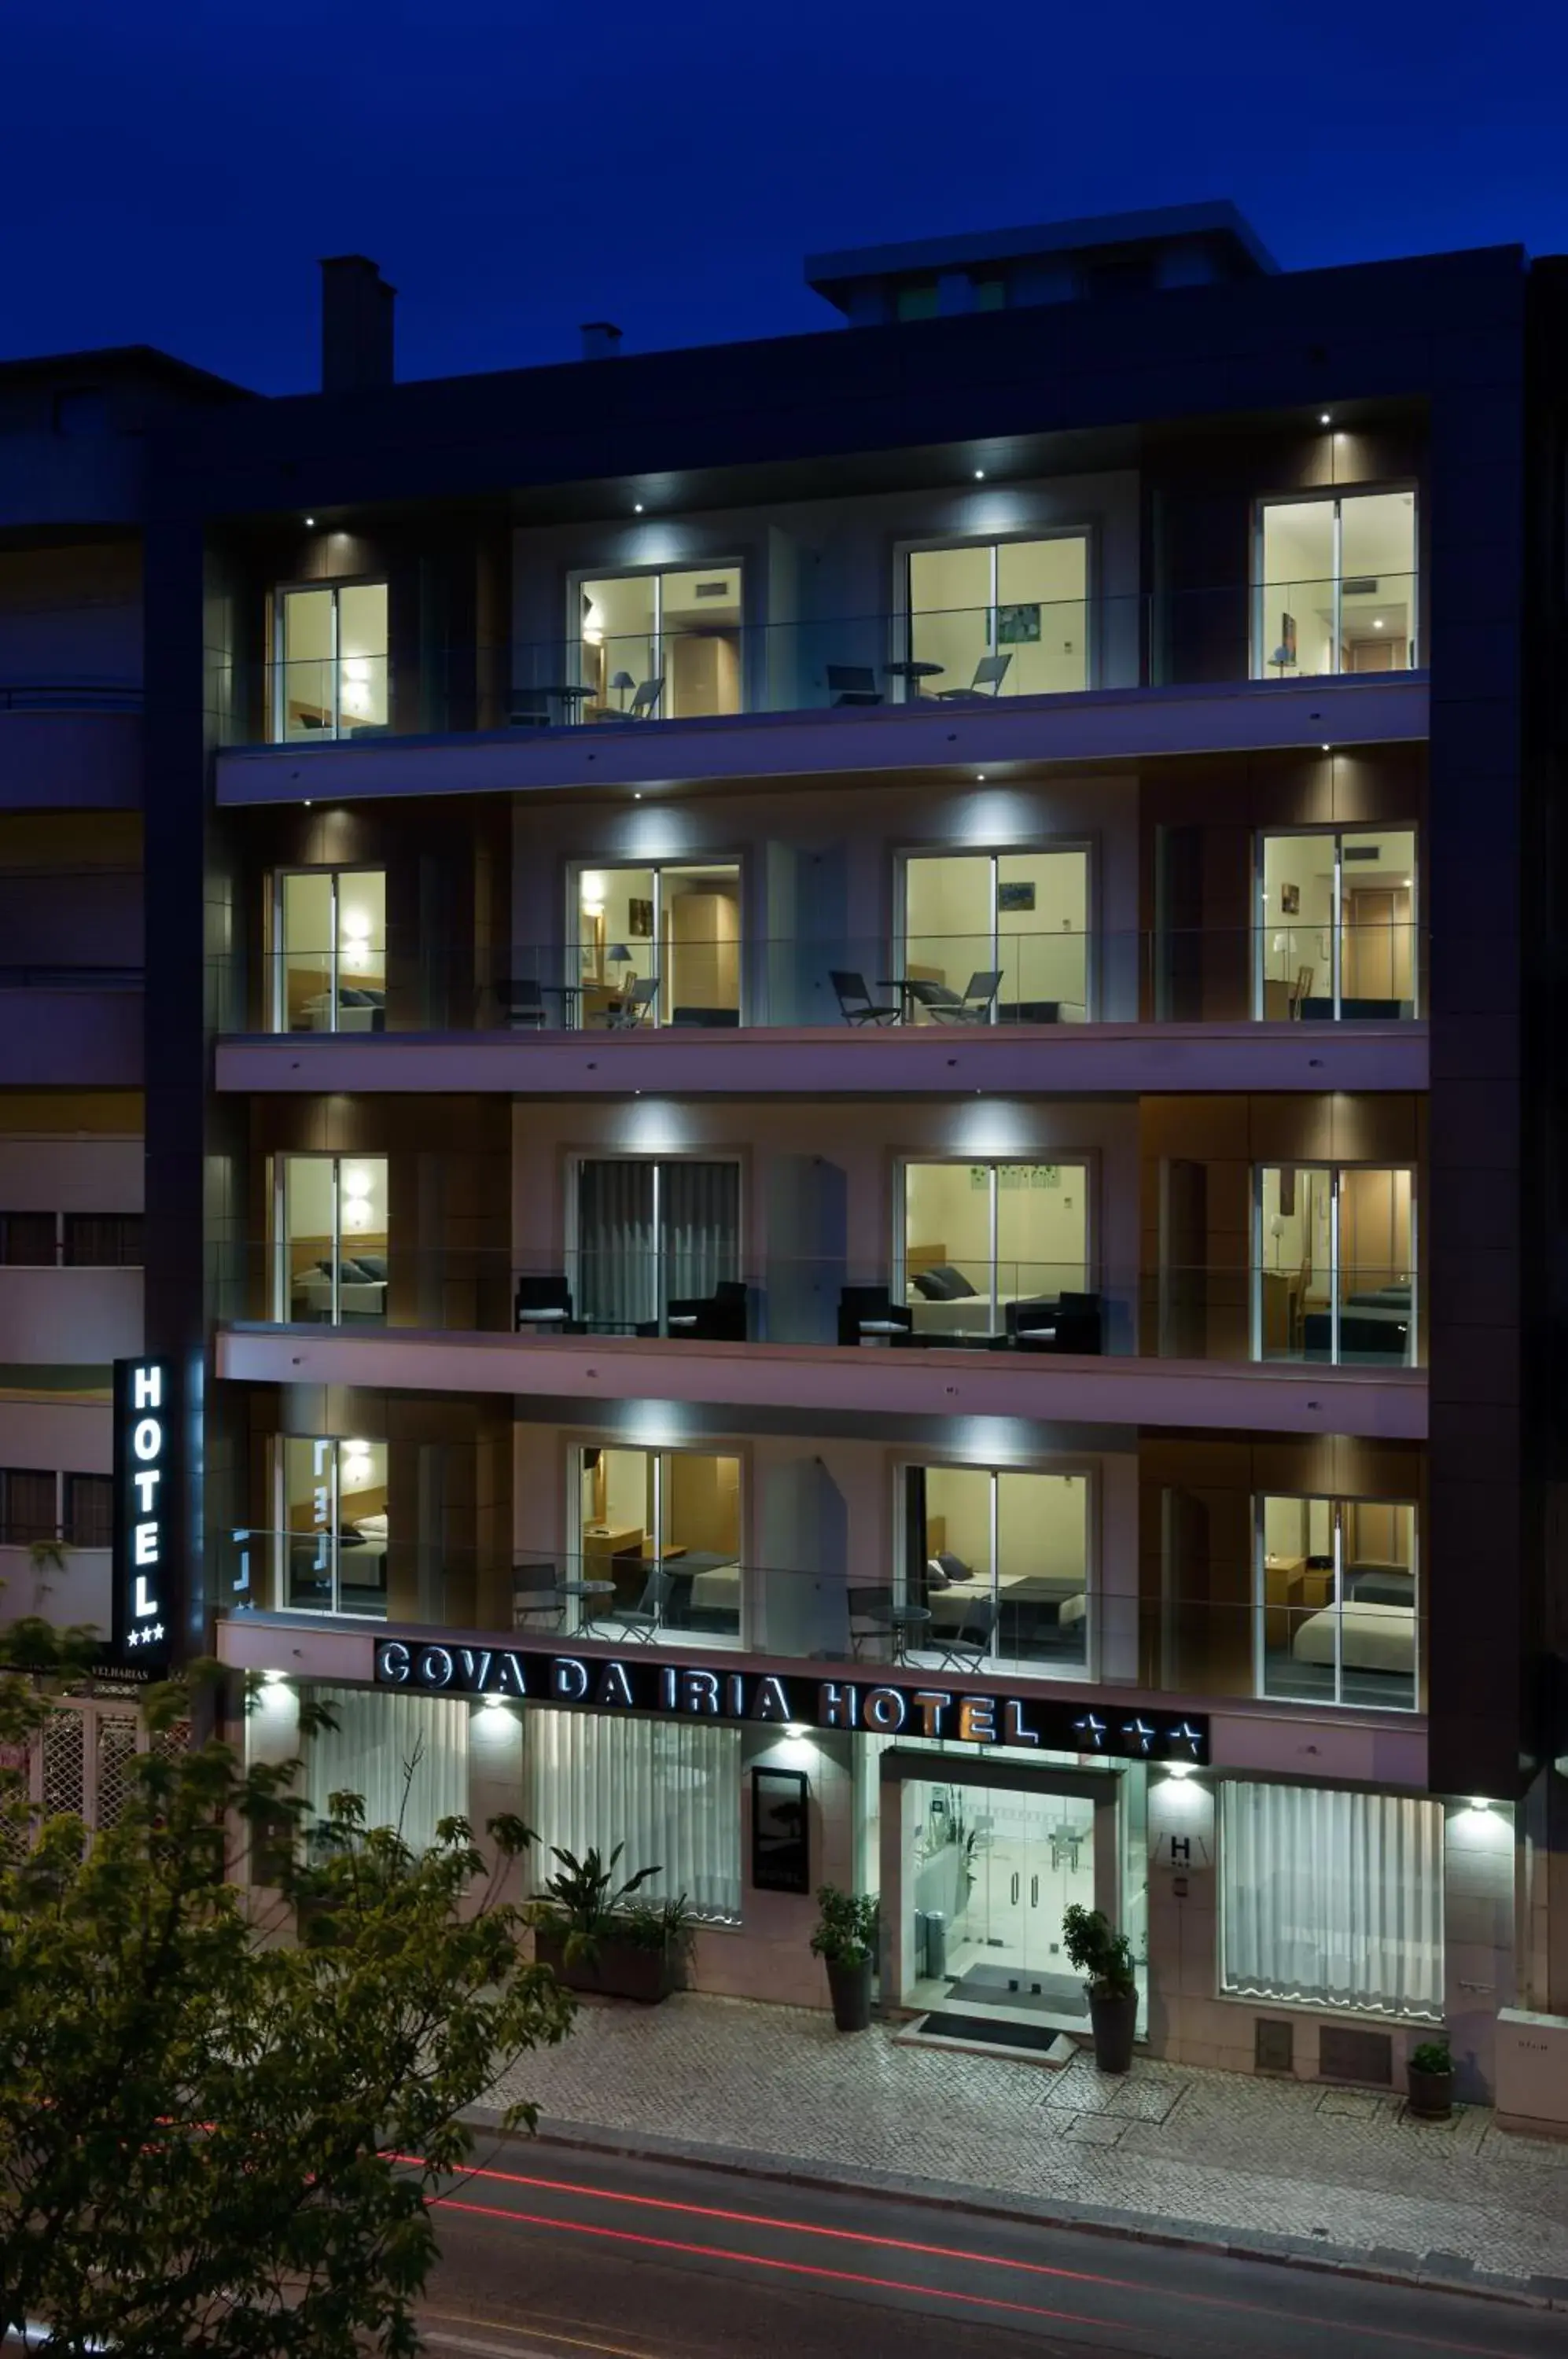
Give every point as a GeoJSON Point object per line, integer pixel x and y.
{"type": "Point", "coordinates": [1361, 852]}
{"type": "Point", "coordinates": [712, 590]}
{"type": "Point", "coordinates": [1364, 586]}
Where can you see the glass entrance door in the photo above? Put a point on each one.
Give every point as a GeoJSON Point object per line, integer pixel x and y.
{"type": "Point", "coordinates": [995, 1871]}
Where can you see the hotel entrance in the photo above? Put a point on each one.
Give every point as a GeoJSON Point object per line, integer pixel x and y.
{"type": "Point", "coordinates": [978, 1865]}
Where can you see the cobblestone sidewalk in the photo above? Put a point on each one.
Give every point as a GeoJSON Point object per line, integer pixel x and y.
{"type": "Point", "coordinates": [1169, 2147]}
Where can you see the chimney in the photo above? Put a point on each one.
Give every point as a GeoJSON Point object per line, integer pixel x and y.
{"type": "Point", "coordinates": [601, 339]}
{"type": "Point", "coordinates": [357, 324]}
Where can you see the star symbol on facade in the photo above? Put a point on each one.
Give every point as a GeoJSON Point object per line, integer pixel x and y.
{"type": "Point", "coordinates": [1141, 1729]}
{"type": "Point", "coordinates": [1186, 1735]}
{"type": "Point", "coordinates": [1095, 1730]}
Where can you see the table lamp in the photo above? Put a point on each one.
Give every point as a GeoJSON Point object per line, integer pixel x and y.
{"type": "Point", "coordinates": [620, 682]}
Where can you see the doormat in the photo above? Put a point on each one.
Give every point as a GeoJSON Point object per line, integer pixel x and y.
{"type": "Point", "coordinates": [984, 2033]}
{"type": "Point", "coordinates": [1013, 1987]}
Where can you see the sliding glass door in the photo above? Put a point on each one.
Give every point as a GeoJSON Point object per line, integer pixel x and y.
{"type": "Point", "coordinates": [1021, 916]}
{"type": "Point", "coordinates": [1000, 617]}
{"type": "Point", "coordinates": [653, 1237]}
{"type": "Point", "coordinates": [1335, 586]}
{"type": "Point", "coordinates": [329, 957]}
{"type": "Point", "coordinates": [678, 927]}
{"type": "Point", "coordinates": [332, 1536]}
{"type": "Point", "coordinates": [1337, 939]}
{"type": "Point", "coordinates": [665, 645]}
{"type": "Point", "coordinates": [661, 1541]}
{"type": "Point", "coordinates": [977, 1238]}
{"type": "Point", "coordinates": [1000, 1559]}
{"type": "Point", "coordinates": [330, 660]}
{"type": "Point", "coordinates": [330, 1239]}
{"type": "Point", "coordinates": [1334, 1265]}
{"type": "Point", "coordinates": [1338, 1602]}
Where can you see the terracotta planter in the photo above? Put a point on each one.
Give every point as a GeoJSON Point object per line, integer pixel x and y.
{"type": "Point", "coordinates": [1430, 2097]}
{"type": "Point", "coordinates": [1115, 2022]}
{"type": "Point", "coordinates": [851, 1990]}
{"type": "Point", "coordinates": [619, 1968]}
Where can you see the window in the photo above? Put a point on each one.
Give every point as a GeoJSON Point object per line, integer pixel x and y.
{"type": "Point", "coordinates": [999, 1562]}
{"type": "Point", "coordinates": [329, 960]}
{"type": "Point", "coordinates": [1337, 934]}
{"type": "Point", "coordinates": [1338, 1602]}
{"type": "Point", "coordinates": [30, 1506]}
{"type": "Point", "coordinates": [982, 1239]}
{"type": "Point", "coordinates": [330, 667]}
{"type": "Point", "coordinates": [90, 1511]}
{"type": "Point", "coordinates": [916, 300]}
{"type": "Point", "coordinates": [668, 1789]}
{"type": "Point", "coordinates": [330, 1239]}
{"type": "Point", "coordinates": [657, 1248]}
{"type": "Point", "coordinates": [103, 1240]}
{"type": "Point", "coordinates": [408, 1755]}
{"type": "Point", "coordinates": [1021, 917]}
{"type": "Point", "coordinates": [662, 646]}
{"type": "Point", "coordinates": [28, 1240]}
{"type": "Point", "coordinates": [1334, 1263]}
{"type": "Point", "coordinates": [660, 1542]}
{"type": "Point", "coordinates": [1332, 1899]}
{"type": "Point", "coordinates": [1335, 586]}
{"type": "Point", "coordinates": [676, 932]}
{"type": "Point", "coordinates": [1005, 619]}
{"type": "Point", "coordinates": [333, 1541]}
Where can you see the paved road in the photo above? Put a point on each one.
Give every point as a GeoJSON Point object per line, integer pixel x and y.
{"type": "Point", "coordinates": [547, 2251]}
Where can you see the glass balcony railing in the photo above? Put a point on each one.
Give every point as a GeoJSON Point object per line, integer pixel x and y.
{"type": "Point", "coordinates": [925, 981]}
{"type": "Point", "coordinates": [705, 1292]}
{"type": "Point", "coordinates": [934, 661]}
{"type": "Point", "coordinates": [620, 1590]}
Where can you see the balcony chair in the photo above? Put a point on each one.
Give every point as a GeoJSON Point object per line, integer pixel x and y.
{"type": "Point", "coordinates": [853, 684]}
{"type": "Point", "coordinates": [973, 1005]}
{"type": "Point", "coordinates": [868, 1313]}
{"type": "Point", "coordinates": [716, 1318]}
{"type": "Point", "coordinates": [644, 705]}
{"type": "Point", "coordinates": [644, 1620]}
{"type": "Point", "coordinates": [870, 1618]}
{"type": "Point", "coordinates": [974, 1640]}
{"type": "Point", "coordinates": [522, 1004]}
{"type": "Point", "coordinates": [544, 1302]}
{"type": "Point", "coordinates": [855, 1003]}
{"type": "Point", "coordinates": [631, 1011]}
{"type": "Point", "coordinates": [989, 674]}
{"type": "Point", "coordinates": [1072, 1323]}
{"type": "Point", "coordinates": [535, 1596]}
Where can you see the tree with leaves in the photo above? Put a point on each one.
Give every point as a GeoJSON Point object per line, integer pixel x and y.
{"type": "Point", "coordinates": [221, 2134]}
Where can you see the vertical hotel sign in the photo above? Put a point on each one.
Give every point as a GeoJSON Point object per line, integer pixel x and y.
{"type": "Point", "coordinates": [144, 1423]}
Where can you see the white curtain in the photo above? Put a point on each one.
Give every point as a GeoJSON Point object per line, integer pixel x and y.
{"type": "Point", "coordinates": [668, 1790]}
{"type": "Point", "coordinates": [408, 1755]}
{"type": "Point", "coordinates": [1331, 1898]}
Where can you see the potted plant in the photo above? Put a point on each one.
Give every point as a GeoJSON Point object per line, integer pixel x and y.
{"type": "Point", "coordinates": [1429, 2075]}
{"type": "Point", "coordinates": [1104, 1958]}
{"type": "Point", "coordinates": [846, 1940]}
{"type": "Point", "coordinates": [589, 1937]}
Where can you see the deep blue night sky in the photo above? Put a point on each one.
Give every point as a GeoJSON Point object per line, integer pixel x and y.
{"type": "Point", "coordinates": [170, 172]}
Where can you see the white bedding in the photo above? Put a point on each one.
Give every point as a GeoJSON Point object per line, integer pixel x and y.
{"type": "Point", "coordinates": [1372, 1637]}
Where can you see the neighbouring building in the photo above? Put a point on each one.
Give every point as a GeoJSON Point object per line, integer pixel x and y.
{"type": "Point", "coordinates": [853, 1114]}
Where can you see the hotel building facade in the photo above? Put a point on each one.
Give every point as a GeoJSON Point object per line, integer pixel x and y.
{"type": "Point", "coordinates": [851, 1129]}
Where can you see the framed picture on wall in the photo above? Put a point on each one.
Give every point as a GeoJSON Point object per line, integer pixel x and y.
{"type": "Point", "coordinates": [639, 918]}
{"type": "Point", "coordinates": [1291, 900]}
{"type": "Point", "coordinates": [1017, 894]}
{"type": "Point", "coordinates": [1017, 626]}
{"type": "Point", "coordinates": [780, 1831]}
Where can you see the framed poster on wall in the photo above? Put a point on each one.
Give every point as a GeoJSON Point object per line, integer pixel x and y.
{"type": "Point", "coordinates": [780, 1831]}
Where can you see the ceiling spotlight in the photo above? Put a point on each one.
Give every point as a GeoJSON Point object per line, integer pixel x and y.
{"type": "Point", "coordinates": [637, 796]}
{"type": "Point", "coordinates": [1327, 748]}
{"type": "Point", "coordinates": [637, 507]}
{"type": "Point", "coordinates": [1325, 419]}
{"type": "Point", "coordinates": [979, 474]}
{"type": "Point", "coordinates": [1377, 621]}
{"type": "Point", "coordinates": [980, 777]}
{"type": "Point", "coordinates": [309, 521]}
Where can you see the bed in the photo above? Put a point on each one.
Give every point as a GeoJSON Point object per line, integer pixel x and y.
{"type": "Point", "coordinates": [1373, 1637]}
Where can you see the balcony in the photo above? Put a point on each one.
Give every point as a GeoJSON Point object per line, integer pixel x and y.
{"type": "Point", "coordinates": [1077, 1635]}
{"type": "Point", "coordinates": [1016, 1011]}
{"type": "Point", "coordinates": [1179, 1347]}
{"type": "Point", "coordinates": [1103, 679]}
